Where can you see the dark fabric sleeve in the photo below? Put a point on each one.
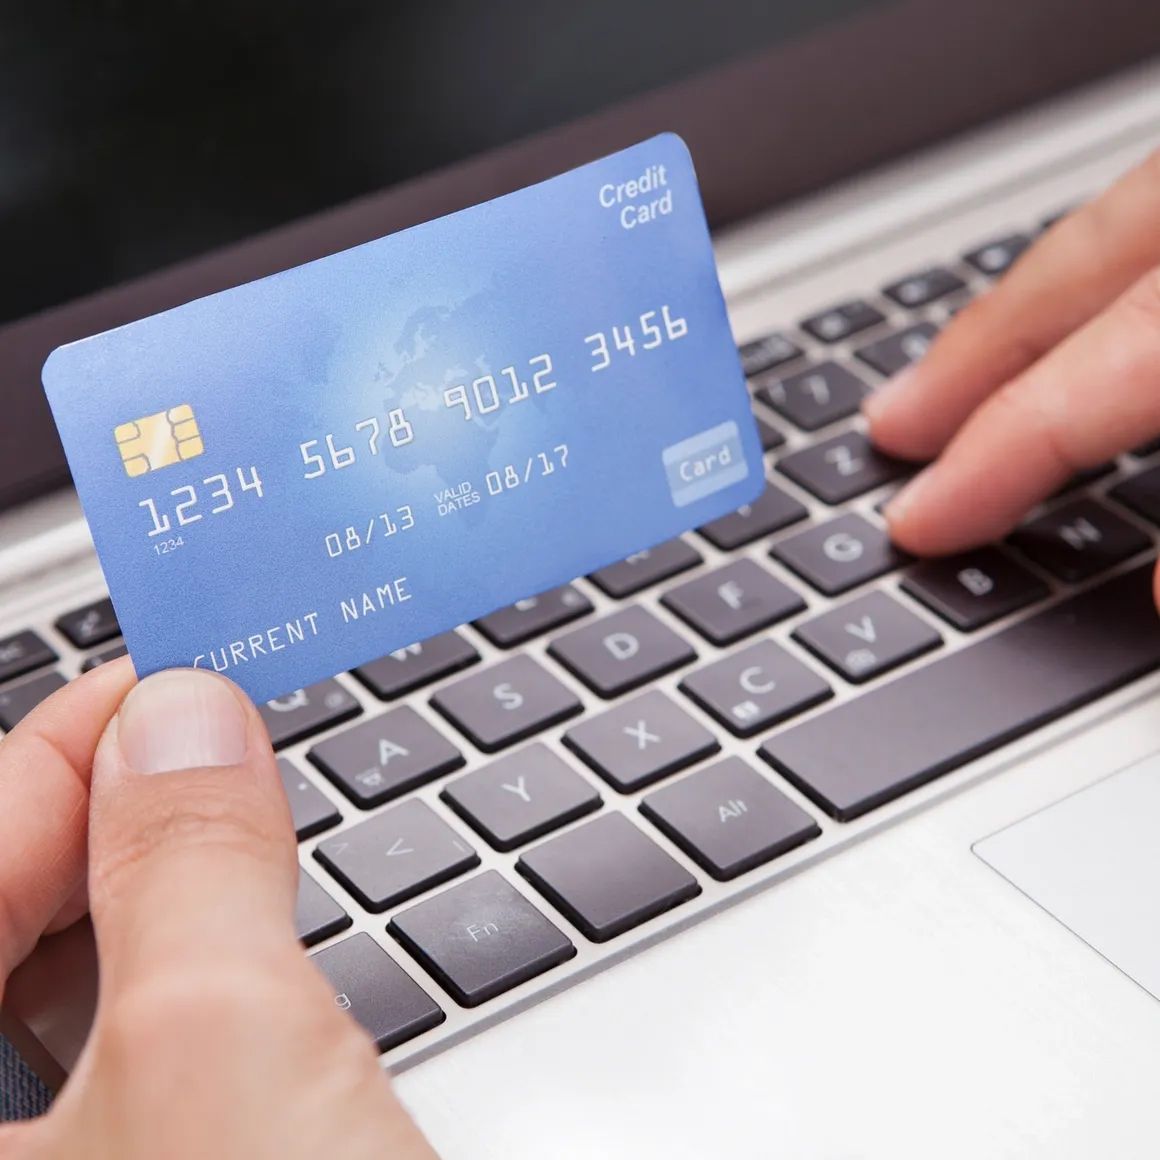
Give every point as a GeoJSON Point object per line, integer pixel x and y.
{"type": "Point", "coordinates": [22, 1095]}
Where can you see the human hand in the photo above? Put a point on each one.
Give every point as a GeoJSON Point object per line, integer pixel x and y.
{"type": "Point", "coordinates": [214, 1035]}
{"type": "Point", "coordinates": [1056, 369]}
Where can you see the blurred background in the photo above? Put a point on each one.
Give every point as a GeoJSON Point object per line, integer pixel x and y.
{"type": "Point", "coordinates": [134, 135]}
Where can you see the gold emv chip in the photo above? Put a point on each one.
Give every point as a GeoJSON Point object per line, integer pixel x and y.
{"type": "Point", "coordinates": [159, 440]}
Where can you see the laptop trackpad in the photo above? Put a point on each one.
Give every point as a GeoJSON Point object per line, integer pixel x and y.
{"type": "Point", "coordinates": [1093, 861]}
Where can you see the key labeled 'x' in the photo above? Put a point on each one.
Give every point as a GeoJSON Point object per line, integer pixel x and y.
{"type": "Point", "coordinates": [643, 737]}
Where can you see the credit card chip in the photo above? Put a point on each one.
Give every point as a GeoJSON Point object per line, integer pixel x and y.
{"type": "Point", "coordinates": [159, 440]}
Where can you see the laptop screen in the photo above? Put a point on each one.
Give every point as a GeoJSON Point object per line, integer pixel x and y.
{"type": "Point", "coordinates": [134, 139]}
{"type": "Point", "coordinates": [127, 145]}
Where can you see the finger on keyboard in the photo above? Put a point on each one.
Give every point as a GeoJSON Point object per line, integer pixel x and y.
{"type": "Point", "coordinates": [1097, 252]}
{"type": "Point", "coordinates": [1028, 439]}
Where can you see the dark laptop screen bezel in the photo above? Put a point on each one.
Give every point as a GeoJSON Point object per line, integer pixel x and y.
{"type": "Point", "coordinates": [763, 130]}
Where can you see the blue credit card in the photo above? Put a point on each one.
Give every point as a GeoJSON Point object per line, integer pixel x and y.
{"type": "Point", "coordinates": [295, 476]}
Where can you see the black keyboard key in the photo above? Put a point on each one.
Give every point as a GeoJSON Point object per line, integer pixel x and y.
{"type": "Point", "coordinates": [867, 637]}
{"type": "Point", "coordinates": [17, 701]}
{"type": "Point", "coordinates": [643, 569]}
{"type": "Point", "coordinates": [840, 554]}
{"type": "Point", "coordinates": [317, 915]}
{"type": "Point", "coordinates": [1086, 476]}
{"type": "Point", "coordinates": [384, 757]}
{"type": "Point", "coordinates": [21, 653]}
{"type": "Point", "coordinates": [481, 938]}
{"type": "Point", "coordinates": [814, 397]}
{"type": "Point", "coordinates": [997, 257]}
{"type": "Point", "coordinates": [395, 855]}
{"type": "Point", "coordinates": [1079, 539]}
{"type": "Point", "coordinates": [841, 468]}
{"type": "Point", "coordinates": [769, 513]}
{"type": "Point", "coordinates": [641, 741]}
{"type": "Point", "coordinates": [607, 877]}
{"type": "Point", "coordinates": [1146, 449]}
{"type": "Point", "coordinates": [520, 622]}
{"type": "Point", "coordinates": [103, 657]}
{"type": "Point", "coordinates": [521, 796]}
{"type": "Point", "coordinates": [622, 651]}
{"type": "Point", "coordinates": [765, 353]}
{"type": "Point", "coordinates": [310, 808]}
{"type": "Point", "coordinates": [368, 983]}
{"type": "Point", "coordinates": [505, 703]}
{"type": "Point", "coordinates": [839, 322]}
{"type": "Point", "coordinates": [416, 665]}
{"type": "Point", "coordinates": [307, 711]}
{"type": "Point", "coordinates": [771, 438]}
{"type": "Point", "coordinates": [897, 351]}
{"type": "Point", "coordinates": [924, 288]}
{"type": "Point", "coordinates": [975, 588]}
{"type": "Point", "coordinates": [728, 818]}
{"type": "Point", "coordinates": [754, 689]}
{"type": "Point", "coordinates": [876, 747]}
{"type": "Point", "coordinates": [91, 625]}
{"type": "Point", "coordinates": [1141, 493]}
{"type": "Point", "coordinates": [732, 602]}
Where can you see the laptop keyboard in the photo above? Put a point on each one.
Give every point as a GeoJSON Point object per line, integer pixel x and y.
{"type": "Point", "coordinates": [488, 815]}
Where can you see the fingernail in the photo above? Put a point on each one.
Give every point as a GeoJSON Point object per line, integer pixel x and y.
{"type": "Point", "coordinates": [906, 498]}
{"type": "Point", "coordinates": [882, 398]}
{"type": "Point", "coordinates": [181, 719]}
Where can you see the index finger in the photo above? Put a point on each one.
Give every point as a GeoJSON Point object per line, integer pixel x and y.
{"type": "Point", "coordinates": [1094, 396]}
{"type": "Point", "coordinates": [1079, 267]}
{"type": "Point", "coordinates": [45, 765]}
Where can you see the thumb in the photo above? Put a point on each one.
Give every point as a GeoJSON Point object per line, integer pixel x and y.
{"type": "Point", "coordinates": [213, 1029]}
{"type": "Point", "coordinates": [192, 856]}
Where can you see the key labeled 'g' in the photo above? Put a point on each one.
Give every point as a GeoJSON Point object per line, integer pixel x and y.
{"type": "Point", "coordinates": [159, 440]}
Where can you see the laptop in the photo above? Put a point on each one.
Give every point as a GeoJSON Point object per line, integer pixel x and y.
{"type": "Point", "coordinates": [904, 905]}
